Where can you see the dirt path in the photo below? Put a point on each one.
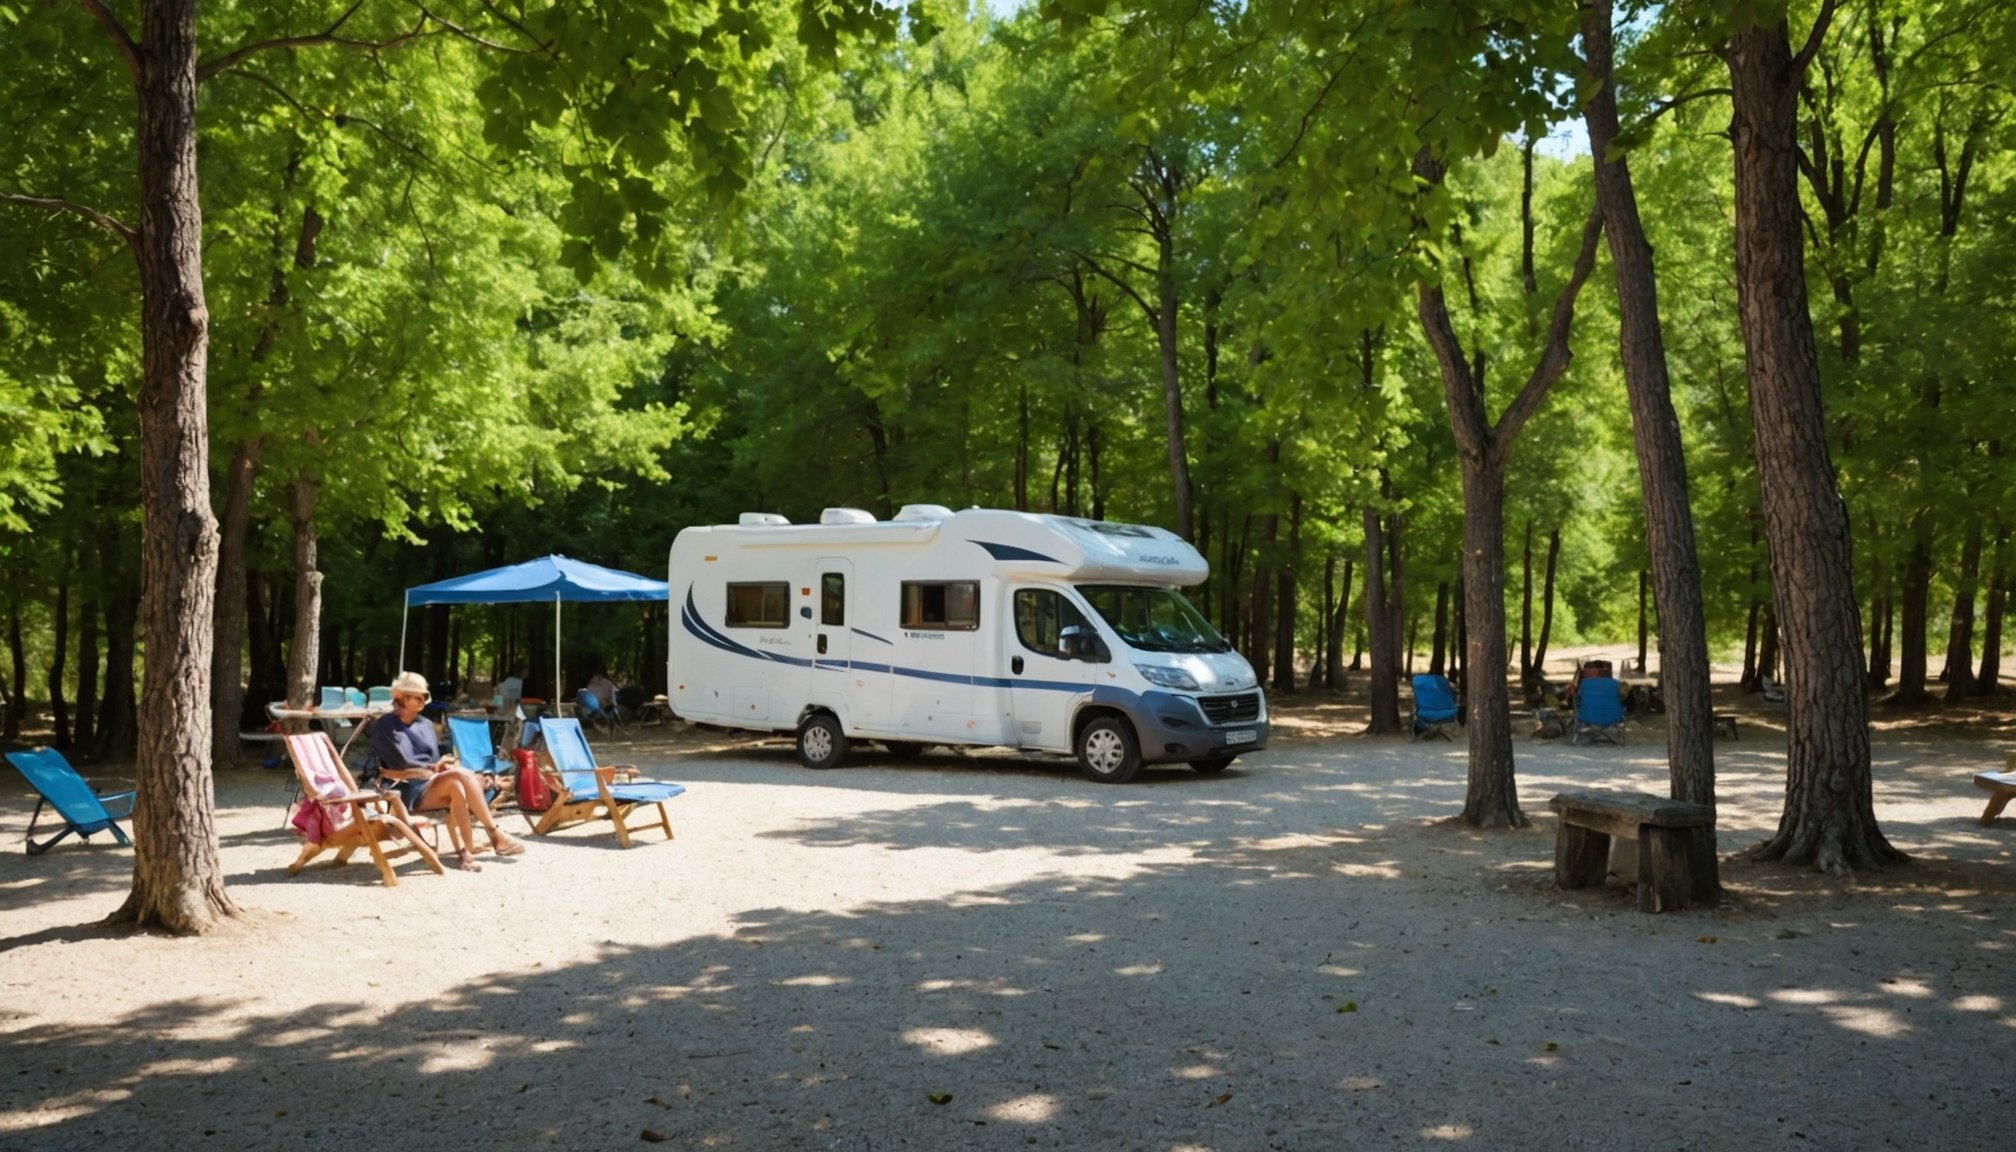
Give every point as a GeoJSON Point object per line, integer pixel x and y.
{"type": "Point", "coordinates": [977, 952]}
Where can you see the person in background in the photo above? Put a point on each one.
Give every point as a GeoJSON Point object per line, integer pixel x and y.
{"type": "Point", "coordinates": [510, 690]}
{"type": "Point", "coordinates": [604, 689]}
{"type": "Point", "coordinates": [410, 763]}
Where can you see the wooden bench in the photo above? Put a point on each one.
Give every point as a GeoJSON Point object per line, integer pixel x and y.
{"type": "Point", "coordinates": [1667, 846]}
{"type": "Point", "coordinates": [1725, 724]}
{"type": "Point", "coordinates": [2000, 786]}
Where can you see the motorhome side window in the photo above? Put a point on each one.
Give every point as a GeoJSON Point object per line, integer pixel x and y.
{"type": "Point", "coordinates": [950, 605]}
{"type": "Point", "coordinates": [765, 605]}
{"type": "Point", "coordinates": [1041, 615]}
{"type": "Point", "coordinates": [833, 599]}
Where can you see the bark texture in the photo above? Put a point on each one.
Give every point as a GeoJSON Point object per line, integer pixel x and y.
{"type": "Point", "coordinates": [1829, 819]}
{"type": "Point", "coordinates": [178, 884]}
{"type": "Point", "coordinates": [1662, 465]}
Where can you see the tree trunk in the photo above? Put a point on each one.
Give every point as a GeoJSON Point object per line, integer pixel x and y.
{"type": "Point", "coordinates": [1333, 676]}
{"type": "Point", "coordinates": [1914, 607]}
{"type": "Point", "coordinates": [1988, 683]}
{"type": "Point", "coordinates": [1662, 467]}
{"type": "Point", "coordinates": [1767, 648]}
{"type": "Point", "coordinates": [1437, 664]}
{"type": "Point", "coordinates": [178, 884]}
{"type": "Point", "coordinates": [1458, 659]}
{"type": "Point", "coordinates": [118, 718]}
{"type": "Point", "coordinates": [17, 678]}
{"type": "Point", "coordinates": [1644, 620]}
{"type": "Point", "coordinates": [1172, 384]}
{"type": "Point", "coordinates": [59, 705]}
{"type": "Point", "coordinates": [1960, 637]}
{"type": "Point", "coordinates": [1492, 796]}
{"type": "Point", "coordinates": [1529, 680]}
{"type": "Point", "coordinates": [1284, 601]}
{"type": "Point", "coordinates": [303, 660]}
{"type": "Point", "coordinates": [1547, 605]}
{"type": "Point", "coordinates": [85, 734]}
{"type": "Point", "coordinates": [1260, 620]}
{"type": "Point", "coordinates": [1396, 590]}
{"type": "Point", "coordinates": [227, 690]}
{"type": "Point", "coordinates": [1379, 633]}
{"type": "Point", "coordinates": [1829, 818]}
{"type": "Point", "coordinates": [1491, 799]}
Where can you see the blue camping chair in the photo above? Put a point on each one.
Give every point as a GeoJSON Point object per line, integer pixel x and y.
{"type": "Point", "coordinates": [588, 709]}
{"type": "Point", "coordinates": [1599, 711]}
{"type": "Point", "coordinates": [1435, 712]}
{"type": "Point", "coordinates": [473, 747]}
{"type": "Point", "coordinates": [60, 787]}
{"type": "Point", "coordinates": [353, 698]}
{"type": "Point", "coordinates": [376, 696]}
{"type": "Point", "coordinates": [580, 786]}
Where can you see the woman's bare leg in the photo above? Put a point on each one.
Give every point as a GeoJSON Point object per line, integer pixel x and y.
{"type": "Point", "coordinates": [471, 790]}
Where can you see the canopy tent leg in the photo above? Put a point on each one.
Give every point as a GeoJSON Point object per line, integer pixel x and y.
{"type": "Point", "coordinates": [557, 687]}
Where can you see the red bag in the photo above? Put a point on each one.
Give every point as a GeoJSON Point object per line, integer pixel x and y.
{"type": "Point", "coordinates": [533, 795]}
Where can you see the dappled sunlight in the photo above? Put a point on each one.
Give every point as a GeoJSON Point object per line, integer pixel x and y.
{"type": "Point", "coordinates": [1979, 1004]}
{"type": "Point", "coordinates": [1034, 1108]}
{"type": "Point", "coordinates": [1729, 999]}
{"type": "Point", "coordinates": [1448, 1132]}
{"type": "Point", "coordinates": [1196, 1072]}
{"type": "Point", "coordinates": [949, 1041]}
{"type": "Point", "coordinates": [1879, 1022]}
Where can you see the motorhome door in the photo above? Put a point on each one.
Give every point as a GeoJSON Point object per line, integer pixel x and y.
{"type": "Point", "coordinates": [857, 689]}
{"type": "Point", "coordinates": [1044, 683]}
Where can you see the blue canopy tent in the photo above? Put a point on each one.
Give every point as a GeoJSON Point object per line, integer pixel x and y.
{"type": "Point", "coordinates": [554, 578]}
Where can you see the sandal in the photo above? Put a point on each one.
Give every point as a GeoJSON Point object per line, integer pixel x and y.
{"type": "Point", "coordinates": [467, 863]}
{"type": "Point", "coordinates": [507, 847]}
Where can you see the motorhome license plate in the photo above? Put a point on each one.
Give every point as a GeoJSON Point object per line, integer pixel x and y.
{"type": "Point", "coordinates": [1240, 736]}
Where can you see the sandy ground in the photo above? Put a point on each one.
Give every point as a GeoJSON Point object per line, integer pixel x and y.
{"type": "Point", "coordinates": [981, 952]}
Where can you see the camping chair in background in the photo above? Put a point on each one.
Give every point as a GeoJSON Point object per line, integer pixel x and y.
{"type": "Point", "coordinates": [377, 696]}
{"type": "Point", "coordinates": [580, 786]}
{"type": "Point", "coordinates": [82, 810]}
{"type": "Point", "coordinates": [1434, 707]}
{"type": "Point", "coordinates": [337, 814]}
{"type": "Point", "coordinates": [1599, 712]}
{"type": "Point", "coordinates": [332, 698]}
{"type": "Point", "coordinates": [589, 710]}
{"type": "Point", "coordinates": [353, 698]}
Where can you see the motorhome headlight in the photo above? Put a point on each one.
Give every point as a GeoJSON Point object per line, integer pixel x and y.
{"type": "Point", "coordinates": [1167, 677]}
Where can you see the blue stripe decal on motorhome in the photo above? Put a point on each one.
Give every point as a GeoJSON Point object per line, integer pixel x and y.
{"type": "Point", "coordinates": [872, 636]}
{"type": "Point", "coordinates": [690, 617]}
{"type": "Point", "coordinates": [1011, 552]}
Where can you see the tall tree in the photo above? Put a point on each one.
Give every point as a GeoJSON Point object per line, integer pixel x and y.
{"type": "Point", "coordinates": [1662, 466]}
{"type": "Point", "coordinates": [1829, 818]}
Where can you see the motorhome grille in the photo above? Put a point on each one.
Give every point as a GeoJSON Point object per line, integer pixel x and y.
{"type": "Point", "coordinates": [1231, 709]}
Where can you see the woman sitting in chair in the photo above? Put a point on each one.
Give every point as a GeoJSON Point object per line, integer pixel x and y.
{"type": "Point", "coordinates": [410, 762]}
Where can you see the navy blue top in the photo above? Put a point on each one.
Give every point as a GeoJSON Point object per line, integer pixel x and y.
{"type": "Point", "coordinates": [398, 744]}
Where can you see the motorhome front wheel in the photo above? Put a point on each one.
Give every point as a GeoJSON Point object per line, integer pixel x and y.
{"type": "Point", "coordinates": [821, 743]}
{"type": "Point", "coordinates": [1108, 752]}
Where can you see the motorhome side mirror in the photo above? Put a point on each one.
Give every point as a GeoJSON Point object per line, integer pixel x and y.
{"type": "Point", "coordinates": [1082, 644]}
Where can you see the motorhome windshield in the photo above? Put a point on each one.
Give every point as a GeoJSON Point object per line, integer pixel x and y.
{"type": "Point", "coordinates": [1153, 619]}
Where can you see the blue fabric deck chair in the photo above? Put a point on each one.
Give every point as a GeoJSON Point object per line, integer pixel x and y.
{"type": "Point", "coordinates": [353, 697]}
{"type": "Point", "coordinates": [1599, 712]}
{"type": "Point", "coordinates": [581, 787]}
{"type": "Point", "coordinates": [332, 698]}
{"type": "Point", "coordinates": [474, 750]}
{"type": "Point", "coordinates": [376, 696]}
{"type": "Point", "coordinates": [60, 787]}
{"type": "Point", "coordinates": [1434, 707]}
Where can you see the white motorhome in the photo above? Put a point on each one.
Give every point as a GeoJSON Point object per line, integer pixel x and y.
{"type": "Point", "coordinates": [983, 627]}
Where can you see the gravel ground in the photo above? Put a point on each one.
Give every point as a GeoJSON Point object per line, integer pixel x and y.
{"type": "Point", "coordinates": [954, 951]}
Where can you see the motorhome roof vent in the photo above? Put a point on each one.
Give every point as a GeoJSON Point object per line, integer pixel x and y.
{"type": "Point", "coordinates": [846, 516]}
{"type": "Point", "coordinates": [924, 512]}
{"type": "Point", "coordinates": [761, 520]}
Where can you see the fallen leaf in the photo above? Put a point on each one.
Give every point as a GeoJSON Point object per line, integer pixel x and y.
{"type": "Point", "coordinates": [1052, 1047]}
{"type": "Point", "coordinates": [660, 1103]}
{"type": "Point", "coordinates": [1217, 1100]}
{"type": "Point", "coordinates": [651, 1136]}
{"type": "Point", "coordinates": [1553, 1047]}
{"type": "Point", "coordinates": [1348, 1006]}
{"type": "Point", "coordinates": [1704, 939]}
{"type": "Point", "coordinates": [940, 1097]}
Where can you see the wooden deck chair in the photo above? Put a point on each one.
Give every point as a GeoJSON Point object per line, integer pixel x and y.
{"type": "Point", "coordinates": [2000, 786]}
{"type": "Point", "coordinates": [58, 786]}
{"type": "Point", "coordinates": [584, 790]}
{"type": "Point", "coordinates": [337, 814]}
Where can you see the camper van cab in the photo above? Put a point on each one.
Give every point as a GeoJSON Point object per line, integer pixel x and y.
{"type": "Point", "coordinates": [983, 627]}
